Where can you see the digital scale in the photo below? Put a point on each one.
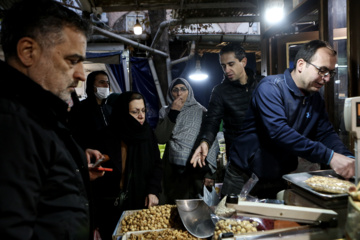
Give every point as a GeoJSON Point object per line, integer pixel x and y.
{"type": "Point", "coordinates": [352, 125]}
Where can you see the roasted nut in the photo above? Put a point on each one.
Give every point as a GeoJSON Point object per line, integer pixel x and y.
{"type": "Point", "coordinates": [328, 184]}
{"type": "Point", "coordinates": [234, 226]}
{"type": "Point", "coordinates": [157, 217]}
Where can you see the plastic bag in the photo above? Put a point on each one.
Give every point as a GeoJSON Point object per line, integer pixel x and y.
{"type": "Point", "coordinates": [97, 235]}
{"type": "Point", "coordinates": [245, 196]}
{"type": "Point", "coordinates": [248, 186]}
{"type": "Point", "coordinates": [210, 198]}
{"type": "Point", "coordinates": [222, 211]}
{"type": "Point", "coordinates": [240, 224]}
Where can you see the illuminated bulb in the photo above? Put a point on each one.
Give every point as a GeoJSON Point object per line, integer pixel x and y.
{"type": "Point", "coordinates": [274, 14]}
{"type": "Point", "coordinates": [137, 28]}
{"type": "Point", "coordinates": [198, 75]}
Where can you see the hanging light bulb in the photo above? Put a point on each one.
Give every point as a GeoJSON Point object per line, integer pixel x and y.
{"type": "Point", "coordinates": [274, 11]}
{"type": "Point", "coordinates": [137, 27]}
{"type": "Point", "coordinates": [198, 75]}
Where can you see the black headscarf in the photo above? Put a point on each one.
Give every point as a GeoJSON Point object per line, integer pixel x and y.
{"type": "Point", "coordinates": [125, 125]}
{"type": "Point", "coordinates": [143, 165]}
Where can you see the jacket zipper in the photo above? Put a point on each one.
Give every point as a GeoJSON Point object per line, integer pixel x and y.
{"type": "Point", "coordinates": [102, 113]}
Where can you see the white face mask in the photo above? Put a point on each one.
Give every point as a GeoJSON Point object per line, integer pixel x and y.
{"type": "Point", "coordinates": [102, 93]}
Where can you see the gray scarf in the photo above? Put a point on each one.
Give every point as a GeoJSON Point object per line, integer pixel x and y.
{"type": "Point", "coordinates": [187, 128]}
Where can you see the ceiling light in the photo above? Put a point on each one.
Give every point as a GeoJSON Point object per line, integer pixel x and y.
{"type": "Point", "coordinates": [137, 27]}
{"type": "Point", "coordinates": [274, 15]}
{"type": "Point", "coordinates": [274, 11]}
{"type": "Point", "coordinates": [198, 75]}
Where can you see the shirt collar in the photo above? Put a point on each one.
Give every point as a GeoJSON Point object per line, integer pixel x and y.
{"type": "Point", "coordinates": [291, 83]}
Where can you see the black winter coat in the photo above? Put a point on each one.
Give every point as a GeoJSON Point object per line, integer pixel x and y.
{"type": "Point", "coordinates": [88, 123]}
{"type": "Point", "coordinates": [229, 102]}
{"type": "Point", "coordinates": [44, 179]}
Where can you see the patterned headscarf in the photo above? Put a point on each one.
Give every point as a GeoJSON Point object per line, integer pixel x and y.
{"type": "Point", "coordinates": [187, 127]}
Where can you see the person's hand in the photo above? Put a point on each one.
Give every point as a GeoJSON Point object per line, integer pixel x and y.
{"type": "Point", "coordinates": [178, 103]}
{"type": "Point", "coordinates": [200, 154]}
{"type": "Point", "coordinates": [93, 154]}
{"type": "Point", "coordinates": [342, 165]}
{"type": "Point", "coordinates": [151, 200]}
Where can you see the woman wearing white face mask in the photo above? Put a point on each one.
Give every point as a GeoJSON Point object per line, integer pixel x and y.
{"type": "Point", "coordinates": [93, 114]}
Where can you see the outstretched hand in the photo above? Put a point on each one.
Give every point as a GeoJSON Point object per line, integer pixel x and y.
{"type": "Point", "coordinates": [199, 155]}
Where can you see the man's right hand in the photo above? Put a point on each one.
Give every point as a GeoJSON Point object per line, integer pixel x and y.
{"type": "Point", "coordinates": [342, 165]}
{"type": "Point", "coordinates": [199, 155]}
{"type": "Point", "coordinates": [177, 104]}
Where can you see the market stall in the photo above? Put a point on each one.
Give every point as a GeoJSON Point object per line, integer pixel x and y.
{"type": "Point", "coordinates": [318, 205]}
{"type": "Point", "coordinates": [193, 219]}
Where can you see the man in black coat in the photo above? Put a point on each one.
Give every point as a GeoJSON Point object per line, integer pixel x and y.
{"type": "Point", "coordinates": [229, 101]}
{"type": "Point", "coordinates": [44, 177]}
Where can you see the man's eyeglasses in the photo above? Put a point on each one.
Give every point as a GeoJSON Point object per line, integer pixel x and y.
{"type": "Point", "coordinates": [176, 90]}
{"type": "Point", "coordinates": [137, 112]}
{"type": "Point", "coordinates": [323, 71]}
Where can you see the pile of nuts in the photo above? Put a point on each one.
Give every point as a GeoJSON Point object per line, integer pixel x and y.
{"type": "Point", "coordinates": [157, 217]}
{"type": "Point", "coordinates": [164, 234]}
{"type": "Point", "coordinates": [234, 226]}
{"type": "Point", "coordinates": [328, 184]}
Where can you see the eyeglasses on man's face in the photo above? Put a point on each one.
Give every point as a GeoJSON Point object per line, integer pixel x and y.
{"type": "Point", "coordinates": [323, 71]}
{"type": "Point", "coordinates": [176, 90]}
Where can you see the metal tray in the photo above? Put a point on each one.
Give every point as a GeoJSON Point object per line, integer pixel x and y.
{"type": "Point", "coordinates": [117, 232]}
{"type": "Point", "coordinates": [298, 180]}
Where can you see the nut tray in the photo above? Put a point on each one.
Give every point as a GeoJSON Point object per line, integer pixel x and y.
{"type": "Point", "coordinates": [299, 178]}
{"type": "Point", "coordinates": [156, 218]}
{"type": "Point", "coordinates": [116, 233]}
{"type": "Point", "coordinates": [183, 236]}
{"type": "Point", "coordinates": [127, 235]}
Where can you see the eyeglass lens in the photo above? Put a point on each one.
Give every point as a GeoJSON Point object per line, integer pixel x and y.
{"type": "Point", "coordinates": [323, 71]}
{"type": "Point", "coordinates": [176, 90]}
{"type": "Point", "coordinates": [326, 72]}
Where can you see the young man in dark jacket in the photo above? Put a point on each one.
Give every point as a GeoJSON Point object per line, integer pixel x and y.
{"type": "Point", "coordinates": [44, 177]}
{"type": "Point", "coordinates": [287, 119]}
{"type": "Point", "coordinates": [229, 101]}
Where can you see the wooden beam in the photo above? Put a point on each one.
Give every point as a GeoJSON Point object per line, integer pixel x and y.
{"type": "Point", "coordinates": [153, 6]}
{"type": "Point", "coordinates": [222, 19]}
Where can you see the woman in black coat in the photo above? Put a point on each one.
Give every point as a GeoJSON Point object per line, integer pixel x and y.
{"type": "Point", "coordinates": [134, 155]}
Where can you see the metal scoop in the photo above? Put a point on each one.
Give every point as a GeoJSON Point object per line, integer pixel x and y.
{"type": "Point", "coordinates": [195, 214]}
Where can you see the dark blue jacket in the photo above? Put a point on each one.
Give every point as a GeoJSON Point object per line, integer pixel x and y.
{"type": "Point", "coordinates": [282, 123]}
